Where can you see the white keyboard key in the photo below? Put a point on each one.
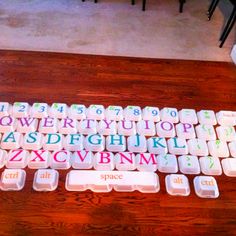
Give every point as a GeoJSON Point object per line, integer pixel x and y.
{"type": "Point", "coordinates": [133, 113]}
{"type": "Point", "coordinates": [188, 116]}
{"type": "Point", "coordinates": [177, 185]}
{"type": "Point", "coordinates": [107, 127]}
{"type": "Point", "coordinates": [3, 156]}
{"type": "Point", "coordinates": [39, 110]}
{"type": "Point", "coordinates": [48, 125]}
{"type": "Point", "coordinates": [73, 142]}
{"type": "Point", "coordinates": [20, 109]}
{"type": "Point", "coordinates": [165, 129]}
{"type": "Point", "coordinates": [206, 187]}
{"type": "Point", "coordinates": [114, 113]}
{"type": "Point", "coordinates": [58, 110]}
{"type": "Point", "coordinates": [104, 161]}
{"type": "Point", "coordinates": [170, 114]}
{"type": "Point", "coordinates": [226, 118]}
{"type": "Point", "coordinates": [11, 140]}
{"type": "Point", "coordinates": [151, 113]}
{"type": "Point", "coordinates": [205, 132]}
{"type": "Point", "coordinates": [146, 162]}
{"type": "Point", "coordinates": [5, 109]}
{"type": "Point", "coordinates": [210, 165]}
{"type": "Point", "coordinates": [96, 112]}
{"type": "Point", "coordinates": [125, 161]}
{"type": "Point", "coordinates": [88, 126]}
{"type": "Point", "coordinates": [146, 127]}
{"type": "Point", "coordinates": [189, 164]}
{"type": "Point", "coordinates": [7, 124]}
{"type": "Point", "coordinates": [68, 126]}
{"type": "Point", "coordinates": [167, 163]}
{"type": "Point", "coordinates": [185, 131]}
{"type": "Point", "coordinates": [94, 143]}
{"type": "Point", "coordinates": [177, 146]}
{"type": "Point", "coordinates": [232, 148]}
{"type": "Point", "coordinates": [207, 117]}
{"type": "Point", "coordinates": [218, 148]}
{"type": "Point", "coordinates": [197, 147]}
{"type": "Point", "coordinates": [12, 180]}
{"type": "Point", "coordinates": [77, 111]}
{"type": "Point", "coordinates": [126, 127]}
{"type": "Point", "coordinates": [137, 143]}
{"type": "Point", "coordinates": [61, 160]}
{"type": "Point", "coordinates": [226, 133]}
{"type": "Point", "coordinates": [32, 141]}
{"type": "Point", "coordinates": [116, 143]}
{"type": "Point", "coordinates": [157, 145]}
{"type": "Point", "coordinates": [39, 159]}
{"type": "Point", "coordinates": [82, 160]}
{"type": "Point", "coordinates": [27, 124]}
{"type": "Point", "coordinates": [53, 142]}
{"type": "Point", "coordinates": [229, 166]}
{"type": "Point", "coordinates": [104, 181]}
{"type": "Point", "coordinates": [17, 159]}
{"type": "Point", "coordinates": [45, 180]}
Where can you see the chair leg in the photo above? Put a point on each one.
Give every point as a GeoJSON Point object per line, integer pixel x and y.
{"type": "Point", "coordinates": [227, 24]}
{"type": "Point", "coordinates": [210, 7]}
{"type": "Point", "coordinates": [215, 3]}
{"type": "Point", "coordinates": [132, 2]}
{"type": "Point", "coordinates": [226, 33]}
{"type": "Point", "coordinates": [181, 5]}
{"type": "Point", "coordinates": [95, 1]}
{"type": "Point", "coordinates": [144, 5]}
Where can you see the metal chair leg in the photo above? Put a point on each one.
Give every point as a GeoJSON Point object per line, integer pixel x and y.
{"type": "Point", "coordinates": [227, 24]}
{"type": "Point", "coordinates": [210, 7]}
{"type": "Point", "coordinates": [144, 5]}
{"type": "Point", "coordinates": [230, 26]}
{"type": "Point", "coordinates": [132, 2]}
{"type": "Point", "coordinates": [215, 3]}
{"type": "Point", "coordinates": [181, 5]}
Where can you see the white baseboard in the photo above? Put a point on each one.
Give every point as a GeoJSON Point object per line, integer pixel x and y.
{"type": "Point", "coordinates": [233, 54]}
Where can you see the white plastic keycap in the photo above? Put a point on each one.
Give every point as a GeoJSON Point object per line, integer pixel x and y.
{"type": "Point", "coordinates": [39, 110]}
{"type": "Point", "coordinates": [58, 110]}
{"type": "Point", "coordinates": [188, 116]}
{"type": "Point", "coordinates": [210, 165]}
{"type": "Point", "coordinates": [105, 181]}
{"type": "Point", "coordinates": [12, 180]}
{"type": "Point", "coordinates": [45, 180]}
{"type": "Point", "coordinates": [151, 113]}
{"type": "Point", "coordinates": [20, 109]}
{"type": "Point", "coordinates": [170, 114]}
{"type": "Point", "coordinates": [77, 111]}
{"type": "Point", "coordinates": [189, 164]}
{"type": "Point", "coordinates": [177, 185]}
{"type": "Point", "coordinates": [229, 166]}
{"type": "Point", "coordinates": [133, 113]}
{"type": "Point", "coordinates": [96, 112]}
{"type": "Point", "coordinates": [206, 187]}
{"type": "Point", "coordinates": [114, 113]}
{"type": "Point", "coordinates": [167, 163]}
{"type": "Point", "coordinates": [207, 117]}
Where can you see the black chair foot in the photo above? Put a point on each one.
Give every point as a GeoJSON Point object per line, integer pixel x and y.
{"type": "Point", "coordinates": [181, 5]}
{"type": "Point", "coordinates": [133, 2]}
{"type": "Point", "coordinates": [144, 5]}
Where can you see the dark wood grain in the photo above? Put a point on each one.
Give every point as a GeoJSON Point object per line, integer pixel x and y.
{"type": "Point", "coordinates": [52, 77]}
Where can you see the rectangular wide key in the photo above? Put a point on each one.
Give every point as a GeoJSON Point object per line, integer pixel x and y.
{"type": "Point", "coordinates": [105, 181]}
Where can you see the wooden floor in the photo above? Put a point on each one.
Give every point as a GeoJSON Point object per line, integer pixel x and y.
{"type": "Point", "coordinates": [51, 77]}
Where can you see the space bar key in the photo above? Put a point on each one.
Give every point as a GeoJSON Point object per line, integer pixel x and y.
{"type": "Point", "coordinates": [105, 181]}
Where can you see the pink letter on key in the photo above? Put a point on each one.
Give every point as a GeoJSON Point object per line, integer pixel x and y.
{"type": "Point", "coordinates": [68, 122]}
{"type": "Point", "coordinates": [152, 157]}
{"type": "Point", "coordinates": [104, 157]}
{"type": "Point", "coordinates": [6, 120]}
{"type": "Point", "coordinates": [124, 124]}
{"type": "Point", "coordinates": [38, 155]}
{"type": "Point", "coordinates": [48, 122]}
{"type": "Point", "coordinates": [187, 126]}
{"type": "Point", "coordinates": [25, 121]}
{"type": "Point", "coordinates": [18, 152]}
{"type": "Point", "coordinates": [82, 158]}
{"type": "Point", "coordinates": [55, 156]}
{"type": "Point", "coordinates": [167, 127]}
{"type": "Point", "coordinates": [123, 156]}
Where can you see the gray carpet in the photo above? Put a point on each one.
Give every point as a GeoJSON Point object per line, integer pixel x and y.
{"type": "Point", "coordinates": [115, 27]}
